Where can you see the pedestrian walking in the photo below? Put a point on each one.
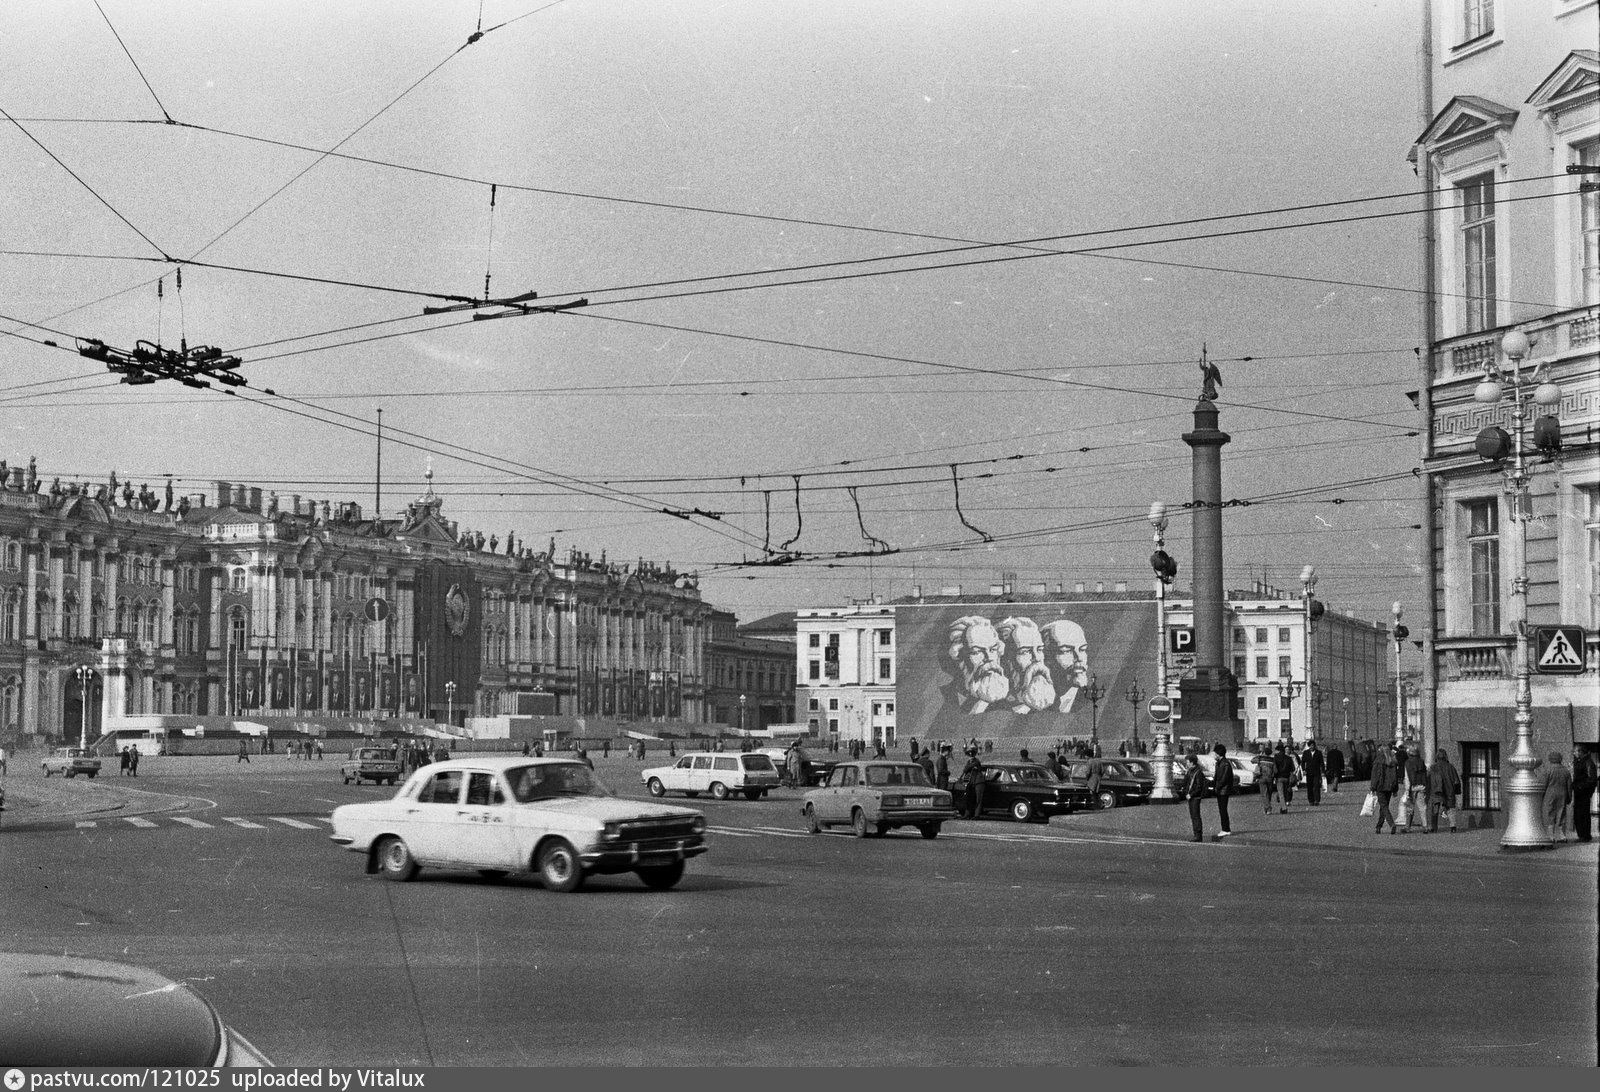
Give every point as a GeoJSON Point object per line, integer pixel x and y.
{"type": "Point", "coordinates": [1224, 784]}
{"type": "Point", "coordinates": [1584, 779]}
{"type": "Point", "coordinates": [941, 768]}
{"type": "Point", "coordinates": [122, 768]}
{"type": "Point", "coordinates": [605, 748]}
{"type": "Point", "coordinates": [1385, 782]}
{"type": "Point", "coordinates": [1283, 773]}
{"type": "Point", "coordinates": [2, 762]}
{"type": "Point", "coordinates": [1335, 768]}
{"type": "Point", "coordinates": [1557, 791]}
{"type": "Point", "coordinates": [244, 752]}
{"type": "Point", "coordinates": [317, 743]}
{"type": "Point", "coordinates": [1444, 786]}
{"type": "Point", "coordinates": [1267, 779]}
{"type": "Point", "coordinates": [1417, 790]}
{"type": "Point", "coordinates": [1194, 789]}
{"type": "Point", "coordinates": [925, 760]}
{"type": "Point", "coordinates": [972, 774]}
{"type": "Point", "coordinates": [1311, 765]}
{"type": "Point", "coordinates": [795, 765]}
{"type": "Point", "coordinates": [133, 762]}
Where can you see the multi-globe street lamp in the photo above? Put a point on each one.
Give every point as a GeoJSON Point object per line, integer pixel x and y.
{"type": "Point", "coordinates": [1525, 828]}
{"type": "Point", "coordinates": [450, 704]}
{"type": "Point", "coordinates": [1135, 696]}
{"type": "Point", "coordinates": [1094, 692]}
{"type": "Point", "coordinates": [85, 674]}
{"type": "Point", "coordinates": [1313, 610]}
{"type": "Point", "coordinates": [1400, 634]}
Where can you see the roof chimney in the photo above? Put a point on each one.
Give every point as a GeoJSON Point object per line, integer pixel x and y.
{"type": "Point", "coordinates": [255, 498]}
{"type": "Point", "coordinates": [224, 493]}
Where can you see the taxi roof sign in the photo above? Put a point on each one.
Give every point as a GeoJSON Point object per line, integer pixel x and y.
{"type": "Point", "coordinates": [1558, 650]}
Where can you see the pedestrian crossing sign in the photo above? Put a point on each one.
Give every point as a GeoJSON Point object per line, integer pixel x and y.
{"type": "Point", "coordinates": [1558, 650]}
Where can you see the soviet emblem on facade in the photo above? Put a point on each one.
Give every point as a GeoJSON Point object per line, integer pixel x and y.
{"type": "Point", "coordinates": [455, 610]}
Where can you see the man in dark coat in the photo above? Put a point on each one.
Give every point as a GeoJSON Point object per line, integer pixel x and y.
{"type": "Point", "coordinates": [1444, 785]}
{"type": "Point", "coordinates": [1283, 770]}
{"type": "Point", "coordinates": [1335, 768]}
{"type": "Point", "coordinates": [1417, 781]}
{"type": "Point", "coordinates": [1385, 783]}
{"type": "Point", "coordinates": [1194, 789]}
{"type": "Point", "coordinates": [941, 768]}
{"type": "Point", "coordinates": [972, 774]}
{"type": "Point", "coordinates": [1583, 785]}
{"type": "Point", "coordinates": [1311, 767]}
{"type": "Point", "coordinates": [1225, 782]}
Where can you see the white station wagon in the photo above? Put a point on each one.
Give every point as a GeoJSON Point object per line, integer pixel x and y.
{"type": "Point", "coordinates": [721, 775]}
{"type": "Point", "coordinates": [547, 816]}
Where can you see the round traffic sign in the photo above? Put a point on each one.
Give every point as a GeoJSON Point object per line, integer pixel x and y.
{"type": "Point", "coordinates": [1160, 708]}
{"type": "Point", "coordinates": [377, 609]}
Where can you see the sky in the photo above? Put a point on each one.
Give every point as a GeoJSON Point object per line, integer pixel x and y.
{"type": "Point", "coordinates": [804, 369]}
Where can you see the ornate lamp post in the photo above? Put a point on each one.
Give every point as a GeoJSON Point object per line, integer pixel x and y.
{"type": "Point", "coordinates": [1288, 690]}
{"type": "Point", "coordinates": [85, 673]}
{"type": "Point", "coordinates": [450, 704]}
{"type": "Point", "coordinates": [1135, 696]}
{"type": "Point", "coordinates": [1525, 827]}
{"type": "Point", "coordinates": [1094, 692]}
{"type": "Point", "coordinates": [742, 700]}
{"type": "Point", "coordinates": [1346, 703]}
{"type": "Point", "coordinates": [1165, 569]}
{"type": "Point", "coordinates": [1400, 634]}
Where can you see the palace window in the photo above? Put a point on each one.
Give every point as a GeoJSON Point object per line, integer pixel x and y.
{"type": "Point", "coordinates": [1483, 544]}
{"type": "Point", "coordinates": [1478, 251]}
{"type": "Point", "coordinates": [1477, 19]}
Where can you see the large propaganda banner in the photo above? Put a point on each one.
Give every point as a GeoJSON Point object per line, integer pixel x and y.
{"type": "Point", "coordinates": [1016, 672]}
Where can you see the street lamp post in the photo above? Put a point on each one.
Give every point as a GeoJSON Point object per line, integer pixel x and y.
{"type": "Point", "coordinates": [1135, 696]}
{"type": "Point", "coordinates": [1288, 690]}
{"type": "Point", "coordinates": [1525, 827]}
{"type": "Point", "coordinates": [1313, 609]}
{"type": "Point", "coordinates": [450, 704]}
{"type": "Point", "coordinates": [84, 673]}
{"type": "Point", "coordinates": [1346, 703]}
{"type": "Point", "coordinates": [1165, 569]}
{"type": "Point", "coordinates": [741, 714]}
{"type": "Point", "coordinates": [1094, 692]}
{"type": "Point", "coordinates": [1400, 634]}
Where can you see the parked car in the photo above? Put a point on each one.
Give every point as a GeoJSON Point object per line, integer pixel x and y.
{"type": "Point", "coordinates": [375, 764]}
{"type": "Point", "coordinates": [60, 1010]}
{"type": "Point", "coordinates": [1025, 791]}
{"type": "Point", "coordinates": [550, 817]}
{"type": "Point", "coordinates": [1116, 785]}
{"type": "Point", "coordinates": [876, 796]}
{"type": "Point", "coordinates": [1244, 771]}
{"type": "Point", "coordinates": [815, 772]}
{"type": "Point", "coordinates": [751, 773]}
{"type": "Point", "coordinates": [70, 762]}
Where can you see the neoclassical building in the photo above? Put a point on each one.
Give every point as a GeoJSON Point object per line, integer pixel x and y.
{"type": "Point", "coordinates": [248, 607]}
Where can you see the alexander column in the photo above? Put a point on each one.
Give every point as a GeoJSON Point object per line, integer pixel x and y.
{"type": "Point", "coordinates": [1209, 698]}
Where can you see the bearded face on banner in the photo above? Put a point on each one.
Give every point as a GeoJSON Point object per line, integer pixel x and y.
{"type": "Point", "coordinates": [977, 651]}
{"type": "Point", "coordinates": [1066, 652]}
{"type": "Point", "coordinates": [1031, 687]}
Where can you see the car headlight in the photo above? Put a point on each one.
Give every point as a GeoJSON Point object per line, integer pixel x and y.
{"type": "Point", "coordinates": [699, 826]}
{"type": "Point", "coordinates": [612, 832]}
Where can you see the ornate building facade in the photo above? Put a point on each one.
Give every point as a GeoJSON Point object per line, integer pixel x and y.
{"type": "Point", "coordinates": [245, 607]}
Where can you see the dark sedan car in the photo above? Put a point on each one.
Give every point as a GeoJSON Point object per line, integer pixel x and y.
{"type": "Point", "coordinates": [1025, 791]}
{"type": "Point", "coordinates": [1111, 782]}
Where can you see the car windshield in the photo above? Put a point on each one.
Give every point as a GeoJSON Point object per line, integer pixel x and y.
{"type": "Point", "coordinates": [896, 775]}
{"type": "Point", "coordinates": [552, 779]}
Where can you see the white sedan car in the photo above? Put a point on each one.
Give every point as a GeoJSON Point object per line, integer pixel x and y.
{"type": "Point", "coordinates": [547, 816]}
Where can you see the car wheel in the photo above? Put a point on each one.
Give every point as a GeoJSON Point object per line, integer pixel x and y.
{"type": "Point", "coordinates": [858, 823]}
{"type": "Point", "coordinates": [1021, 810]}
{"type": "Point", "coordinates": [1107, 799]}
{"type": "Point", "coordinates": [752, 794]}
{"type": "Point", "coordinates": [347, 781]}
{"type": "Point", "coordinates": [493, 873]}
{"type": "Point", "coordinates": [813, 824]}
{"type": "Point", "coordinates": [661, 877]}
{"type": "Point", "coordinates": [559, 867]}
{"type": "Point", "coordinates": [930, 831]}
{"type": "Point", "coordinates": [395, 860]}
{"type": "Point", "coordinates": [719, 791]}
{"type": "Point", "coordinates": [656, 787]}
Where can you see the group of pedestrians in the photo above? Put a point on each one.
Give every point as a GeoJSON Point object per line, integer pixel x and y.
{"type": "Point", "coordinates": [130, 761]}
{"type": "Point", "coordinates": [1427, 793]}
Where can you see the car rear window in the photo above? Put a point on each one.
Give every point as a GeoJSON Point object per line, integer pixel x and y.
{"type": "Point", "coordinates": [896, 775]}
{"type": "Point", "coordinates": [757, 763]}
{"type": "Point", "coordinates": [702, 762]}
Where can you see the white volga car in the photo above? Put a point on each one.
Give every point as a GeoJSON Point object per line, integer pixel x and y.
{"type": "Point", "coordinates": [751, 773]}
{"type": "Point", "coordinates": [547, 816]}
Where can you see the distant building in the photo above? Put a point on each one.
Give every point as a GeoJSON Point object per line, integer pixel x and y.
{"type": "Point", "coordinates": [749, 680]}
{"type": "Point", "coordinates": [1512, 98]}
{"type": "Point", "coordinates": [845, 663]}
{"type": "Point", "coordinates": [305, 611]}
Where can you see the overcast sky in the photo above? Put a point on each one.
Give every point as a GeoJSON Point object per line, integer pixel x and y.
{"type": "Point", "coordinates": [664, 161]}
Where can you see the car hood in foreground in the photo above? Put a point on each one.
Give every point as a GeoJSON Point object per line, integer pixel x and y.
{"type": "Point", "coordinates": [62, 1010]}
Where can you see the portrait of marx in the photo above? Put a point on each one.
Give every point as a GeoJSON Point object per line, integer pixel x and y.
{"type": "Point", "coordinates": [977, 653]}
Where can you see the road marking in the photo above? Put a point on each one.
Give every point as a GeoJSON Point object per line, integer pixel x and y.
{"type": "Point", "coordinates": [297, 824]}
{"type": "Point", "coordinates": [188, 822]}
{"type": "Point", "coordinates": [243, 823]}
{"type": "Point", "coordinates": [136, 821]}
{"type": "Point", "coordinates": [783, 833]}
{"type": "Point", "coordinates": [82, 823]}
{"type": "Point", "coordinates": [733, 833]}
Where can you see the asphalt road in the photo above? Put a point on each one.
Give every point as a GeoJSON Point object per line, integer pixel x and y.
{"type": "Point", "coordinates": [995, 944]}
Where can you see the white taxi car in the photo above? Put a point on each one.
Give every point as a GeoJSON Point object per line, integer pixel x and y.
{"type": "Point", "coordinates": [547, 816]}
{"type": "Point", "coordinates": [721, 775]}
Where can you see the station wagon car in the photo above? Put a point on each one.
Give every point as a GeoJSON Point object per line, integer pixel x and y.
{"type": "Point", "coordinates": [1025, 791]}
{"type": "Point", "coordinates": [373, 764]}
{"type": "Point", "coordinates": [876, 797]}
{"type": "Point", "coordinates": [550, 817]}
{"type": "Point", "coordinates": [751, 773]}
{"type": "Point", "coordinates": [70, 762]}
